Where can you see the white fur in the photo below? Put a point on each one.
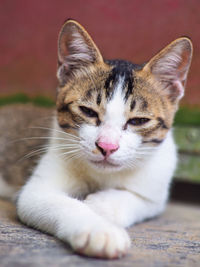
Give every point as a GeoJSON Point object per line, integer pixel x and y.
{"type": "Point", "coordinates": [88, 205]}
{"type": "Point", "coordinates": [112, 131]}
{"type": "Point", "coordinates": [115, 108]}
{"type": "Point", "coordinates": [167, 66]}
{"type": "Point", "coordinates": [80, 50]}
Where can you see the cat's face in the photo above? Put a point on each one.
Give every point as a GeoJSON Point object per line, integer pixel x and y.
{"type": "Point", "coordinates": [121, 111]}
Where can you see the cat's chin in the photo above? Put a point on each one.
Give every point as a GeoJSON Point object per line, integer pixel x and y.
{"type": "Point", "coordinates": [105, 165]}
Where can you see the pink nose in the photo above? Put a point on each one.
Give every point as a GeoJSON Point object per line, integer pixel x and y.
{"type": "Point", "coordinates": [107, 148]}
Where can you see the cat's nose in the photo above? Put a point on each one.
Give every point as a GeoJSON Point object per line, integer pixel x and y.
{"type": "Point", "coordinates": [107, 148]}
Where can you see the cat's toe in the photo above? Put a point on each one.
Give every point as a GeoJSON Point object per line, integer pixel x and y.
{"type": "Point", "coordinates": [80, 241]}
{"type": "Point", "coordinates": [118, 242]}
{"type": "Point", "coordinates": [106, 243]}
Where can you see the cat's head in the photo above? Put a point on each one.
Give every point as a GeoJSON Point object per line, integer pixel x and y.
{"type": "Point", "coordinates": [120, 111]}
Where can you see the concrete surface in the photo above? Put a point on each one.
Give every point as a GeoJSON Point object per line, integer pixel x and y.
{"type": "Point", "coordinates": [173, 239]}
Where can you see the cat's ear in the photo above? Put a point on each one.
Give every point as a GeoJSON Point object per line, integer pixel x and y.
{"type": "Point", "coordinates": [76, 50]}
{"type": "Point", "coordinates": [171, 65]}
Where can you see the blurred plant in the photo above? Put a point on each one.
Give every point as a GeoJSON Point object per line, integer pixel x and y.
{"type": "Point", "coordinates": [23, 98]}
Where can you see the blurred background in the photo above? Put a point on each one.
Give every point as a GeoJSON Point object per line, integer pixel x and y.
{"type": "Point", "coordinates": [133, 30]}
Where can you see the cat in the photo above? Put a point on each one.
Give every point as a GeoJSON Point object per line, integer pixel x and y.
{"type": "Point", "coordinates": [20, 147]}
{"type": "Point", "coordinates": [111, 154]}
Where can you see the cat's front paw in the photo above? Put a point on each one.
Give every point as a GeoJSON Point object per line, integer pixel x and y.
{"type": "Point", "coordinates": [101, 203]}
{"type": "Point", "coordinates": [103, 242]}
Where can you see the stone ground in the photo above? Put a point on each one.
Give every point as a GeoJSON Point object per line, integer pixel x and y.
{"type": "Point", "coordinates": [173, 239]}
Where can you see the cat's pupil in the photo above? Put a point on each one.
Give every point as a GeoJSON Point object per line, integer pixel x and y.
{"type": "Point", "coordinates": [138, 121]}
{"type": "Point", "coordinates": [89, 112]}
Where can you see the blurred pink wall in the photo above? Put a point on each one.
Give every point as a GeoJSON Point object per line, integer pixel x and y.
{"type": "Point", "coordinates": [133, 30]}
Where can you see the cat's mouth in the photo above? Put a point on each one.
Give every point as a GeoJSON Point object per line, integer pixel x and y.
{"type": "Point", "coordinates": [105, 164]}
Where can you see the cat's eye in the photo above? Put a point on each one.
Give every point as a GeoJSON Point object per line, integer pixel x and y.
{"type": "Point", "coordinates": [138, 121]}
{"type": "Point", "coordinates": [89, 112]}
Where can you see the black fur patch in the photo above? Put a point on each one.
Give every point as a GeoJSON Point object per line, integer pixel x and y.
{"type": "Point", "coordinates": [123, 69]}
{"type": "Point", "coordinates": [89, 94]}
{"type": "Point", "coordinates": [162, 123]}
{"type": "Point", "coordinates": [98, 101]}
{"type": "Point", "coordinates": [67, 126]}
{"type": "Point", "coordinates": [132, 106]}
{"type": "Point", "coordinates": [155, 141]}
{"type": "Point", "coordinates": [64, 107]}
{"type": "Point", "coordinates": [151, 130]}
{"type": "Point", "coordinates": [144, 104]}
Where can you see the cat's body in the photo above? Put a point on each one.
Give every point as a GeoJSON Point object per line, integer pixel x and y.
{"type": "Point", "coordinates": [111, 154]}
{"type": "Point", "coordinates": [19, 124]}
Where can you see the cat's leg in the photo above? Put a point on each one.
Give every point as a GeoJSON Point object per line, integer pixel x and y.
{"type": "Point", "coordinates": [122, 207]}
{"type": "Point", "coordinates": [43, 206]}
{"type": "Point", "coordinates": [144, 194]}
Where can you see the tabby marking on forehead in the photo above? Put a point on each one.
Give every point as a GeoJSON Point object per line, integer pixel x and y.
{"type": "Point", "coordinates": [121, 68]}
{"type": "Point", "coordinates": [132, 105]}
{"type": "Point", "coordinates": [98, 101]}
{"type": "Point", "coordinates": [89, 93]}
{"type": "Point", "coordinates": [144, 103]}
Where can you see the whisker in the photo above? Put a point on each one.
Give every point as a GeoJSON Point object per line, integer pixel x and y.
{"type": "Point", "coordinates": [134, 163]}
{"type": "Point", "coordinates": [69, 156]}
{"type": "Point", "coordinates": [43, 137]}
{"type": "Point", "coordinates": [131, 165]}
{"type": "Point", "coordinates": [69, 152]}
{"type": "Point", "coordinates": [143, 153]}
{"type": "Point", "coordinates": [45, 148]}
{"type": "Point", "coordinates": [31, 154]}
{"type": "Point", "coordinates": [61, 146]}
{"type": "Point", "coordinates": [75, 156]}
{"type": "Point", "coordinates": [52, 129]}
{"type": "Point", "coordinates": [148, 148]}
